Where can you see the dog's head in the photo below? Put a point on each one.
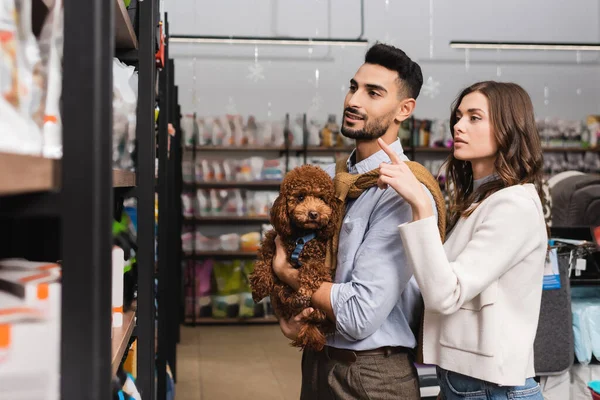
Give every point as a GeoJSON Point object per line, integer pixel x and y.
{"type": "Point", "coordinates": [306, 203]}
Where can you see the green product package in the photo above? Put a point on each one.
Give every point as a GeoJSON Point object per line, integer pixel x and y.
{"type": "Point", "coordinates": [227, 275]}
{"type": "Point", "coordinates": [246, 301]}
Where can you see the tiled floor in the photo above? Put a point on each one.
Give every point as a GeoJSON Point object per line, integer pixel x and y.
{"type": "Point", "coordinates": [236, 362]}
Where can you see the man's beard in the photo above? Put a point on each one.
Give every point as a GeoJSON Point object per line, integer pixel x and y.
{"type": "Point", "coordinates": [371, 130]}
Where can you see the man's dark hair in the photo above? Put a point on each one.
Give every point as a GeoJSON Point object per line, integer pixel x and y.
{"type": "Point", "coordinates": [392, 58]}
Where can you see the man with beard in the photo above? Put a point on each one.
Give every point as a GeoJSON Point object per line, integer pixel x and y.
{"type": "Point", "coordinates": [374, 302]}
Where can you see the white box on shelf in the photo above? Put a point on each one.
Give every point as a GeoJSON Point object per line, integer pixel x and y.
{"type": "Point", "coordinates": [36, 289]}
{"type": "Point", "coordinates": [23, 264]}
{"type": "Point", "coordinates": [118, 265]}
{"type": "Point", "coordinates": [29, 352]}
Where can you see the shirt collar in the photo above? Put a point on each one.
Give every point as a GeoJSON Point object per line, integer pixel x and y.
{"type": "Point", "coordinates": [374, 160]}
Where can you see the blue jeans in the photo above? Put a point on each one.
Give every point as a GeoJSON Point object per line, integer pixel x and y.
{"type": "Point", "coordinates": [454, 386]}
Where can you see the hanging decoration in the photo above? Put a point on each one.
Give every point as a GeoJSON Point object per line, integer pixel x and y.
{"type": "Point", "coordinates": [498, 67]}
{"type": "Point", "coordinates": [467, 60]}
{"type": "Point", "coordinates": [431, 88]}
{"type": "Point", "coordinates": [193, 89]}
{"type": "Point", "coordinates": [256, 71]}
{"type": "Point", "coordinates": [387, 38]}
{"type": "Point", "coordinates": [578, 59]}
{"type": "Point", "coordinates": [316, 104]}
{"type": "Point", "coordinates": [430, 29]}
{"type": "Point", "coordinates": [317, 100]}
{"type": "Point", "coordinates": [231, 107]}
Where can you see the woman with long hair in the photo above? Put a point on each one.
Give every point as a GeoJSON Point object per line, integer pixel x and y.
{"type": "Point", "coordinates": [482, 288]}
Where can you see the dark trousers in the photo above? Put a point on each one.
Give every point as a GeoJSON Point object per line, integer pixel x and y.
{"type": "Point", "coordinates": [370, 377]}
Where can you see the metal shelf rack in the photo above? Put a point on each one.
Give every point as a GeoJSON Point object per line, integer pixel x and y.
{"type": "Point", "coordinates": [63, 209]}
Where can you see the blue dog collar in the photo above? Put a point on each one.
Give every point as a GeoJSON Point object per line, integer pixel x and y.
{"type": "Point", "coordinates": [300, 243]}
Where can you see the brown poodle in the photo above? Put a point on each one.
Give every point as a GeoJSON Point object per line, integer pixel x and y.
{"type": "Point", "coordinates": [306, 206]}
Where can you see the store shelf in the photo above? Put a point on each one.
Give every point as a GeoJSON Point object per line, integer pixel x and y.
{"type": "Point", "coordinates": [221, 254]}
{"type": "Point", "coordinates": [241, 185]}
{"type": "Point", "coordinates": [429, 149]}
{"type": "Point", "coordinates": [570, 149]}
{"type": "Point", "coordinates": [124, 33]}
{"type": "Point", "coordinates": [231, 321]}
{"type": "Point", "coordinates": [309, 149]}
{"type": "Point", "coordinates": [21, 174]}
{"type": "Point", "coordinates": [120, 339]}
{"type": "Point", "coordinates": [320, 149]}
{"type": "Point", "coordinates": [230, 220]}
{"type": "Point", "coordinates": [215, 149]}
{"type": "Point", "coordinates": [545, 149]}
{"type": "Point", "coordinates": [123, 178]}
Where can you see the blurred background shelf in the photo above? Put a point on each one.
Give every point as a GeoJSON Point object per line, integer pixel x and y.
{"type": "Point", "coordinates": [571, 149]}
{"type": "Point", "coordinates": [227, 220]}
{"type": "Point", "coordinates": [312, 149]}
{"type": "Point", "coordinates": [231, 321]}
{"type": "Point", "coordinates": [215, 149]}
{"type": "Point", "coordinates": [429, 149]}
{"type": "Point", "coordinates": [221, 254]}
{"type": "Point", "coordinates": [234, 184]}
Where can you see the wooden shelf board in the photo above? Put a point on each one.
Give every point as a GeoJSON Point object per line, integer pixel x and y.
{"type": "Point", "coordinates": [429, 149]}
{"type": "Point", "coordinates": [231, 321]}
{"type": "Point", "coordinates": [217, 219]}
{"type": "Point", "coordinates": [233, 184]}
{"type": "Point", "coordinates": [21, 174]}
{"type": "Point", "coordinates": [235, 148]}
{"type": "Point", "coordinates": [314, 149]}
{"type": "Point", "coordinates": [222, 254]}
{"type": "Point", "coordinates": [123, 178]}
{"type": "Point", "coordinates": [545, 149]}
{"type": "Point", "coordinates": [120, 339]}
{"type": "Point", "coordinates": [125, 38]}
{"type": "Point", "coordinates": [320, 149]}
{"type": "Point", "coordinates": [570, 149]}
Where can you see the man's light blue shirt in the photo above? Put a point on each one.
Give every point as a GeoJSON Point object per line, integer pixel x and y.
{"type": "Point", "coordinates": [375, 299]}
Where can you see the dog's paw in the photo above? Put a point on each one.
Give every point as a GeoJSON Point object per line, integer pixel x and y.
{"type": "Point", "coordinates": [300, 302]}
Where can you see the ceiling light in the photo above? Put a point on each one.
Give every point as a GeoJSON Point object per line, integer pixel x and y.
{"type": "Point", "coordinates": [289, 41]}
{"type": "Point", "coordinates": [526, 46]}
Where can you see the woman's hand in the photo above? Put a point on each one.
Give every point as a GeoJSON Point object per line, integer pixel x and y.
{"type": "Point", "coordinates": [282, 268]}
{"type": "Point", "coordinates": [399, 177]}
{"type": "Point", "coordinates": [290, 328]}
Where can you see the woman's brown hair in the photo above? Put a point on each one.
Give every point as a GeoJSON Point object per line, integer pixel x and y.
{"type": "Point", "coordinates": [519, 158]}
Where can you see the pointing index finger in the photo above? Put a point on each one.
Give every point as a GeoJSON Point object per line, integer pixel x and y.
{"type": "Point", "coordinates": [391, 153]}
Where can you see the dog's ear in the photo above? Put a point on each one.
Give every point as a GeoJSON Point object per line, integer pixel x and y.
{"type": "Point", "coordinates": [337, 208]}
{"type": "Point", "coordinates": [279, 217]}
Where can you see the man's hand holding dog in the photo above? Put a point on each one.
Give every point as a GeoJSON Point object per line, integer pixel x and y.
{"type": "Point", "coordinates": [282, 268]}
{"type": "Point", "coordinates": [290, 328]}
{"type": "Point", "coordinates": [288, 275]}
{"type": "Point", "coordinates": [321, 299]}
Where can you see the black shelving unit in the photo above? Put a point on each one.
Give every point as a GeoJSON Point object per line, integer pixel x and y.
{"type": "Point", "coordinates": [168, 187]}
{"type": "Point", "coordinates": [164, 269]}
{"type": "Point", "coordinates": [67, 205]}
{"type": "Point", "coordinates": [146, 153]}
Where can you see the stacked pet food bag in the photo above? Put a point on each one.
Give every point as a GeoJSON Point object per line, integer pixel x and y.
{"type": "Point", "coordinates": [220, 288]}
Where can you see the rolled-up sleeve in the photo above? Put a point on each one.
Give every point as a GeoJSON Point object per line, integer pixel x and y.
{"type": "Point", "coordinates": [380, 273]}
